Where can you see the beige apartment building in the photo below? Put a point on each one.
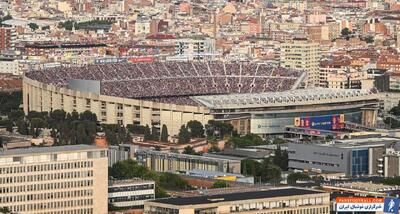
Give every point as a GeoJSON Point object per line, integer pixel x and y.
{"type": "Point", "coordinates": [54, 180]}
{"type": "Point", "coordinates": [304, 55]}
{"type": "Point", "coordinates": [344, 78]}
{"type": "Point", "coordinates": [274, 201]}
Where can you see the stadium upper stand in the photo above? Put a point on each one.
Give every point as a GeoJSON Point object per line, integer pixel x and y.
{"type": "Point", "coordinates": [174, 82]}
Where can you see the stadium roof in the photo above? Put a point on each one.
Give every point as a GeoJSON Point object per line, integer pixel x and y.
{"type": "Point", "coordinates": [240, 196]}
{"type": "Point", "coordinates": [291, 97]}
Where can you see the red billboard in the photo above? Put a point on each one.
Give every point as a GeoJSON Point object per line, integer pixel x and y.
{"type": "Point", "coordinates": [141, 59]}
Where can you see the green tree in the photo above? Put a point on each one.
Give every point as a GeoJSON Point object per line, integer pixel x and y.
{"type": "Point", "coordinates": [345, 31]}
{"type": "Point", "coordinates": [15, 115]}
{"type": "Point", "coordinates": [82, 25]}
{"type": "Point", "coordinates": [174, 182]}
{"type": "Point", "coordinates": [155, 135]}
{"type": "Point", "coordinates": [35, 125]}
{"type": "Point", "coordinates": [9, 126]}
{"type": "Point", "coordinates": [189, 151]}
{"type": "Point", "coordinates": [196, 129]}
{"type": "Point", "coordinates": [116, 134]}
{"type": "Point", "coordinates": [33, 26]}
{"type": "Point", "coordinates": [127, 169]}
{"type": "Point", "coordinates": [250, 167]}
{"type": "Point", "coordinates": [183, 135]}
{"type": "Point", "coordinates": [245, 141]}
{"type": "Point", "coordinates": [87, 115]}
{"type": "Point", "coordinates": [279, 141]}
{"type": "Point", "coordinates": [164, 134]}
{"type": "Point", "coordinates": [22, 126]}
{"type": "Point", "coordinates": [147, 133]}
{"type": "Point", "coordinates": [281, 159]}
{"type": "Point", "coordinates": [46, 27]}
{"type": "Point", "coordinates": [220, 184]}
{"type": "Point", "coordinates": [369, 39]}
{"type": "Point", "coordinates": [395, 110]}
{"type": "Point", "coordinates": [72, 116]}
{"type": "Point", "coordinates": [137, 129]}
{"type": "Point", "coordinates": [395, 181]}
{"type": "Point", "coordinates": [58, 116]}
{"type": "Point", "coordinates": [10, 101]}
{"type": "Point", "coordinates": [297, 176]}
{"type": "Point", "coordinates": [5, 210]}
{"type": "Point", "coordinates": [269, 171]}
{"type": "Point", "coordinates": [218, 129]}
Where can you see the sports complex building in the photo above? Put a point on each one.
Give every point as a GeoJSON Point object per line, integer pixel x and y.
{"type": "Point", "coordinates": [255, 98]}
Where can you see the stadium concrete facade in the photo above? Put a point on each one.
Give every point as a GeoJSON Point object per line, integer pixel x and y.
{"type": "Point", "coordinates": [111, 110]}
{"type": "Point", "coordinates": [255, 98]}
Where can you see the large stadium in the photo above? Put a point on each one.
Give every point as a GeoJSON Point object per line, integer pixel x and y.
{"type": "Point", "coordinates": [173, 93]}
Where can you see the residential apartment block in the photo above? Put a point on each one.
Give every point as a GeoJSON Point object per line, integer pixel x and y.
{"type": "Point", "coordinates": [304, 55]}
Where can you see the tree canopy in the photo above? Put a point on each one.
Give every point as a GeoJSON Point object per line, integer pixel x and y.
{"type": "Point", "coordinates": [345, 31]}
{"type": "Point", "coordinates": [10, 102]}
{"type": "Point", "coordinates": [220, 184]}
{"type": "Point", "coordinates": [265, 170]}
{"type": "Point", "coordinates": [218, 129]}
{"type": "Point", "coordinates": [129, 169]}
{"type": "Point", "coordinates": [281, 159]}
{"type": "Point", "coordinates": [395, 181]}
{"type": "Point", "coordinates": [33, 26]}
{"type": "Point", "coordinates": [393, 122]}
{"type": "Point", "coordinates": [183, 135]}
{"type": "Point", "coordinates": [5, 210]}
{"type": "Point", "coordinates": [196, 129]}
{"type": "Point", "coordinates": [164, 134]}
{"type": "Point", "coordinates": [245, 141]}
{"type": "Point", "coordinates": [116, 134]}
{"type": "Point", "coordinates": [82, 25]}
{"type": "Point", "coordinates": [297, 176]}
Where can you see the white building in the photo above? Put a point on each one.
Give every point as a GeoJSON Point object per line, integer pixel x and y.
{"type": "Point", "coordinates": [130, 193]}
{"type": "Point", "coordinates": [58, 180]}
{"type": "Point", "coordinates": [142, 26]}
{"type": "Point", "coordinates": [10, 66]}
{"type": "Point", "coordinates": [194, 48]}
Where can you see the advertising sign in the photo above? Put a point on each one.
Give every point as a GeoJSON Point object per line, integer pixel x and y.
{"type": "Point", "coordinates": [141, 59]}
{"type": "Point", "coordinates": [348, 204]}
{"type": "Point", "coordinates": [328, 122]}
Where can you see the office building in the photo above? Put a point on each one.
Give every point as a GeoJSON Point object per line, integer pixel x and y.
{"type": "Point", "coordinates": [173, 162]}
{"type": "Point", "coordinates": [304, 55]}
{"type": "Point", "coordinates": [274, 201]}
{"type": "Point", "coordinates": [353, 157]}
{"type": "Point", "coordinates": [120, 153]}
{"type": "Point", "coordinates": [59, 180]}
{"type": "Point", "coordinates": [131, 193]}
